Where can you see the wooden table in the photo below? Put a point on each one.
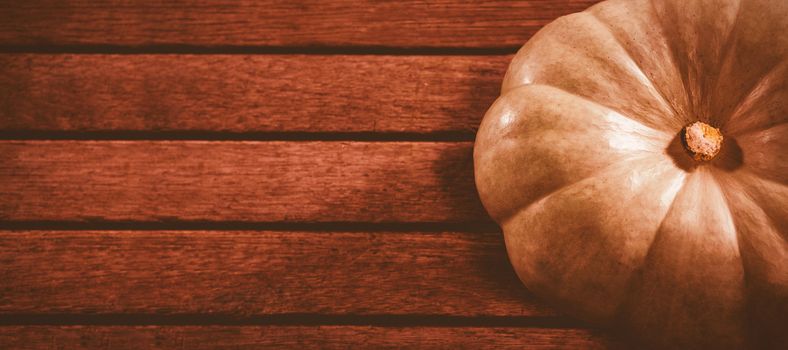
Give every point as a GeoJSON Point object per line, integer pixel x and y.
{"type": "Point", "coordinates": [201, 174]}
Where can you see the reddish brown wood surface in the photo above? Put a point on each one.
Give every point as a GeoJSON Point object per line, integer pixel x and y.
{"type": "Point", "coordinates": [238, 181]}
{"type": "Point", "coordinates": [413, 23]}
{"type": "Point", "coordinates": [324, 337]}
{"type": "Point", "coordinates": [207, 119]}
{"type": "Point", "coordinates": [247, 93]}
{"type": "Point", "coordinates": [252, 273]}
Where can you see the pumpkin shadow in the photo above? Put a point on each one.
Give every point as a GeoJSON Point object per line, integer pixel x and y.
{"type": "Point", "coordinates": [731, 156]}
{"type": "Point", "coordinates": [729, 159]}
{"type": "Point", "coordinates": [679, 154]}
{"type": "Point", "coordinates": [455, 168]}
{"type": "Point", "coordinates": [496, 271]}
{"type": "Point", "coordinates": [489, 258]}
{"type": "Point", "coordinates": [483, 82]}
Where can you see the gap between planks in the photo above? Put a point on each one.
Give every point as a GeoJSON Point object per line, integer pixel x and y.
{"type": "Point", "coordinates": [292, 136]}
{"type": "Point", "coordinates": [107, 49]}
{"type": "Point", "coordinates": [324, 337]}
{"type": "Point", "coordinates": [387, 320]}
{"type": "Point", "coordinates": [315, 227]}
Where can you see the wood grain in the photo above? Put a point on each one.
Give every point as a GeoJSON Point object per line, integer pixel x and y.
{"type": "Point", "coordinates": [231, 82]}
{"type": "Point", "coordinates": [247, 93]}
{"type": "Point", "coordinates": [155, 181]}
{"type": "Point", "coordinates": [253, 273]}
{"type": "Point", "coordinates": [413, 23]}
{"type": "Point", "coordinates": [324, 337]}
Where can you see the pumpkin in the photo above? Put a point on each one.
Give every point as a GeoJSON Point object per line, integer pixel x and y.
{"type": "Point", "coordinates": [637, 162]}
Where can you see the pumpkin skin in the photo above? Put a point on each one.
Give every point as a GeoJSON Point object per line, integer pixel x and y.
{"type": "Point", "coordinates": [605, 214]}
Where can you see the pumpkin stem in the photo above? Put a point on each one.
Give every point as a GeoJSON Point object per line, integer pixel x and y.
{"type": "Point", "coordinates": [702, 140]}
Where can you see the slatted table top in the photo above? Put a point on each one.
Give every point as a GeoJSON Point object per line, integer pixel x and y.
{"type": "Point", "coordinates": [242, 174]}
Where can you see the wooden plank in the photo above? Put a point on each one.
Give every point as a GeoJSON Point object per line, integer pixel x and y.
{"type": "Point", "coordinates": [248, 181]}
{"type": "Point", "coordinates": [252, 273]}
{"type": "Point", "coordinates": [247, 93]}
{"type": "Point", "coordinates": [324, 337]}
{"type": "Point", "coordinates": [413, 23]}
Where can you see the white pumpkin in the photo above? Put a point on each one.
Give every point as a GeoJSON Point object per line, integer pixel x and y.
{"type": "Point", "coordinates": [618, 206]}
